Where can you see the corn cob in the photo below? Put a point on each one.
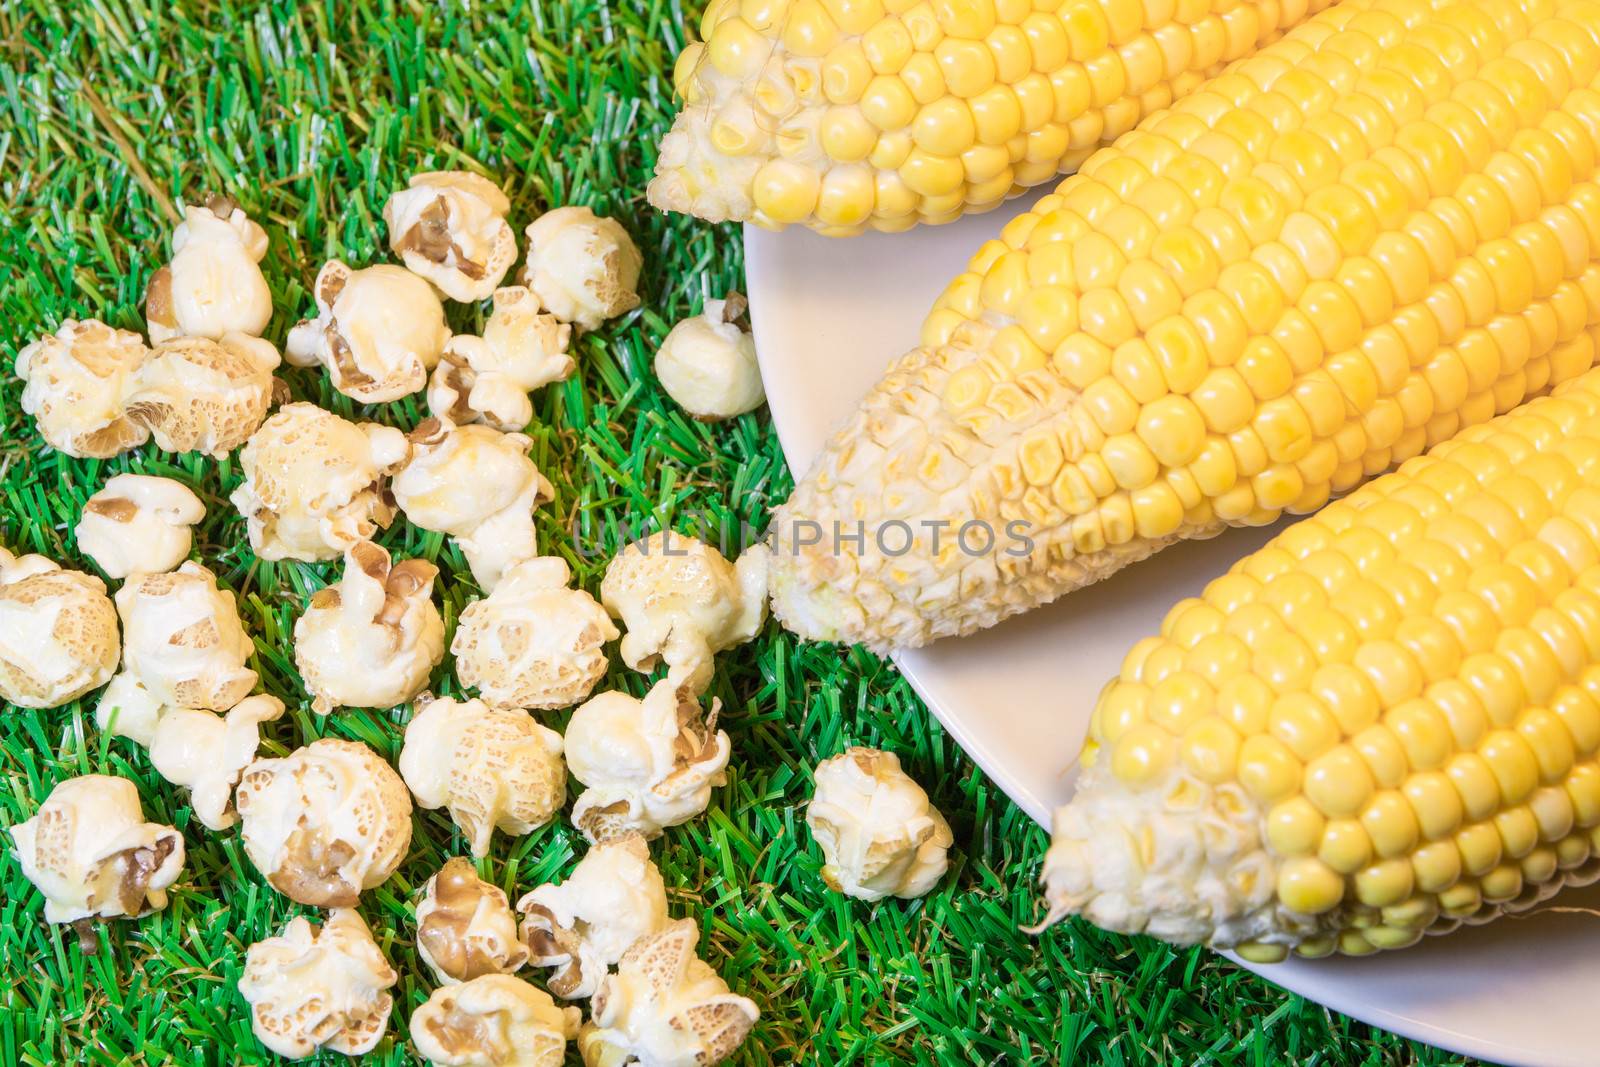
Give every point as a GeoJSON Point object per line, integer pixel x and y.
{"type": "Point", "coordinates": [1379, 230]}
{"type": "Point", "coordinates": [1384, 723]}
{"type": "Point", "coordinates": [845, 115]}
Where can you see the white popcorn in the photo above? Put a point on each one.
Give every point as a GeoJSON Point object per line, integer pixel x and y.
{"type": "Point", "coordinates": [138, 522]}
{"type": "Point", "coordinates": [371, 639]}
{"type": "Point", "coordinates": [206, 752]}
{"type": "Point", "coordinates": [665, 1007]}
{"type": "Point", "coordinates": [213, 286]}
{"type": "Point", "coordinates": [128, 709]}
{"type": "Point", "coordinates": [488, 378]}
{"type": "Point", "coordinates": [878, 832]}
{"type": "Point", "coordinates": [450, 227]}
{"type": "Point", "coordinates": [183, 640]}
{"type": "Point", "coordinates": [493, 768]}
{"type": "Point", "coordinates": [648, 764]}
{"type": "Point", "coordinates": [325, 822]}
{"type": "Point", "coordinates": [682, 603]}
{"type": "Point", "coordinates": [477, 485]}
{"type": "Point", "coordinates": [200, 395]}
{"type": "Point", "coordinates": [79, 383]}
{"type": "Point", "coordinates": [311, 988]}
{"type": "Point", "coordinates": [585, 269]}
{"type": "Point", "coordinates": [708, 363]}
{"type": "Point", "coordinates": [58, 632]}
{"type": "Point", "coordinates": [378, 330]}
{"type": "Point", "coordinates": [313, 483]}
{"type": "Point", "coordinates": [493, 1021]}
{"type": "Point", "coordinates": [92, 855]}
{"type": "Point", "coordinates": [533, 642]}
{"type": "Point", "coordinates": [612, 898]}
{"type": "Point", "coordinates": [464, 926]}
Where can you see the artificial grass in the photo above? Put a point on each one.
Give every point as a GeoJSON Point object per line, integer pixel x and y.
{"type": "Point", "coordinates": [309, 115]}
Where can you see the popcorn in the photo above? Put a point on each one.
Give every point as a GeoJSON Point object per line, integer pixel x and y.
{"type": "Point", "coordinates": [682, 602]}
{"type": "Point", "coordinates": [213, 286]}
{"type": "Point", "coordinates": [493, 1021]}
{"type": "Point", "coordinates": [465, 929]}
{"type": "Point", "coordinates": [137, 522]}
{"type": "Point", "coordinates": [79, 383]}
{"type": "Point", "coordinates": [311, 988]}
{"type": "Point", "coordinates": [450, 227]}
{"type": "Point", "coordinates": [612, 898]}
{"type": "Point", "coordinates": [878, 832]}
{"type": "Point", "coordinates": [477, 485]}
{"type": "Point", "coordinates": [533, 642]}
{"type": "Point", "coordinates": [58, 632]}
{"type": "Point", "coordinates": [314, 483]}
{"type": "Point", "coordinates": [325, 822]}
{"type": "Point", "coordinates": [182, 639]}
{"type": "Point", "coordinates": [488, 379]}
{"type": "Point", "coordinates": [708, 363]}
{"type": "Point", "coordinates": [585, 269]}
{"type": "Point", "coordinates": [493, 768]}
{"type": "Point", "coordinates": [665, 1008]}
{"type": "Point", "coordinates": [378, 330]}
{"type": "Point", "coordinates": [371, 639]}
{"type": "Point", "coordinates": [92, 855]}
{"type": "Point", "coordinates": [648, 764]}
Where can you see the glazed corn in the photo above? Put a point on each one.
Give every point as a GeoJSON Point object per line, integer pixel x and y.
{"type": "Point", "coordinates": [1385, 723]}
{"type": "Point", "coordinates": [846, 115]}
{"type": "Point", "coordinates": [1379, 230]}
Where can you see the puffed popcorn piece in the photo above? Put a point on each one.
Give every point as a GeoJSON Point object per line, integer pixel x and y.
{"type": "Point", "coordinates": [310, 988]}
{"type": "Point", "coordinates": [488, 378]}
{"type": "Point", "coordinates": [58, 632]}
{"type": "Point", "coordinates": [325, 822]}
{"type": "Point", "coordinates": [371, 639]}
{"type": "Point", "coordinates": [314, 483]}
{"type": "Point", "coordinates": [213, 286]}
{"type": "Point", "coordinates": [200, 395]}
{"type": "Point", "coordinates": [648, 764]}
{"type": "Point", "coordinates": [533, 642]}
{"type": "Point", "coordinates": [682, 603]}
{"type": "Point", "coordinates": [183, 639]}
{"type": "Point", "coordinates": [139, 522]}
{"type": "Point", "coordinates": [612, 898]}
{"type": "Point", "coordinates": [665, 1007]}
{"type": "Point", "coordinates": [707, 363]}
{"type": "Point", "coordinates": [92, 855]}
{"type": "Point", "coordinates": [878, 832]}
{"type": "Point", "coordinates": [127, 709]}
{"type": "Point", "coordinates": [493, 1021]}
{"type": "Point", "coordinates": [207, 753]}
{"type": "Point", "coordinates": [584, 268]}
{"type": "Point", "coordinates": [79, 383]}
{"type": "Point", "coordinates": [465, 929]}
{"type": "Point", "coordinates": [450, 227]}
{"type": "Point", "coordinates": [491, 768]}
{"type": "Point", "coordinates": [378, 330]}
{"type": "Point", "coordinates": [479, 486]}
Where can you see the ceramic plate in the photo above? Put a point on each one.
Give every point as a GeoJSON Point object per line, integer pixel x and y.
{"type": "Point", "coordinates": [829, 316]}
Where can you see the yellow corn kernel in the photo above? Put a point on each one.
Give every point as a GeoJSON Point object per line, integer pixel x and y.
{"type": "Point", "coordinates": [1309, 886]}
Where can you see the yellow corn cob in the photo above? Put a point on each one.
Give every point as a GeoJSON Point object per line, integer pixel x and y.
{"type": "Point", "coordinates": [845, 115]}
{"type": "Point", "coordinates": [1382, 724]}
{"type": "Point", "coordinates": [1379, 230]}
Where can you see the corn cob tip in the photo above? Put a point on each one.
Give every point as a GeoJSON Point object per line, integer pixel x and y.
{"type": "Point", "coordinates": [693, 178]}
{"type": "Point", "coordinates": [1177, 859]}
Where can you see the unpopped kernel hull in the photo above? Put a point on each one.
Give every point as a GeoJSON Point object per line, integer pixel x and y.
{"type": "Point", "coordinates": [1375, 232]}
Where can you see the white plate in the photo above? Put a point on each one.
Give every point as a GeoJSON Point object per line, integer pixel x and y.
{"type": "Point", "coordinates": [829, 316]}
